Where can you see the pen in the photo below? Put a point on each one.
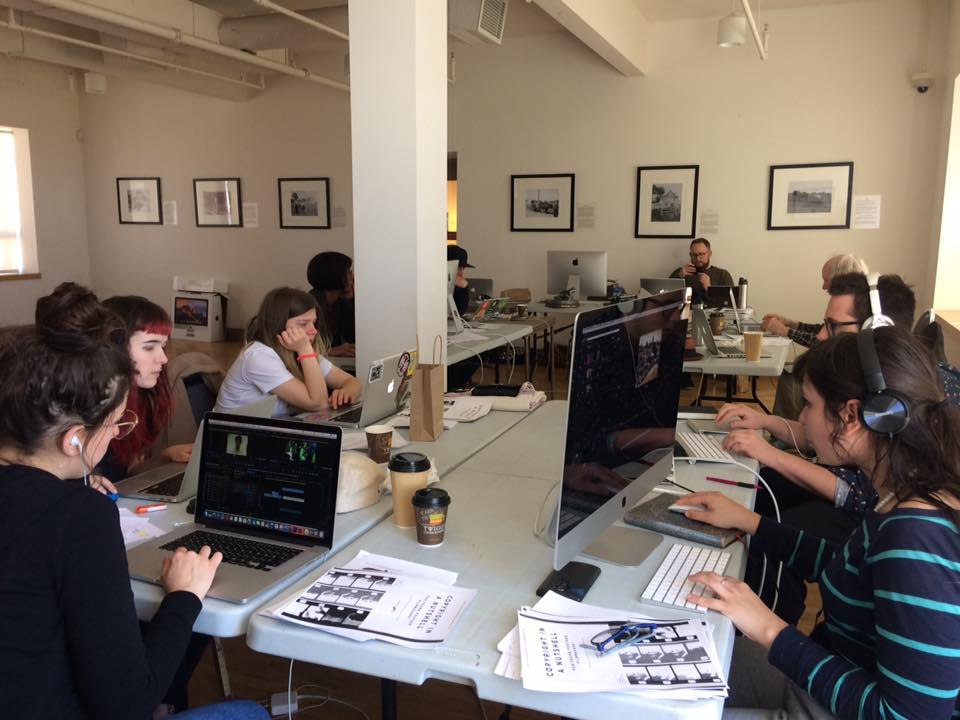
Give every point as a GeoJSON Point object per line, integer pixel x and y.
{"type": "Point", "coordinates": [749, 486]}
{"type": "Point", "coordinates": [113, 496]}
{"type": "Point", "coordinates": [151, 508]}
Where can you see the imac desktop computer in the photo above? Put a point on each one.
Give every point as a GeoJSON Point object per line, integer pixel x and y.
{"type": "Point", "coordinates": [585, 272]}
{"type": "Point", "coordinates": [624, 394]}
{"type": "Point", "coordinates": [454, 321]}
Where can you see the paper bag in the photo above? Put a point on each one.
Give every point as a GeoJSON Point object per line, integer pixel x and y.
{"type": "Point", "coordinates": [426, 397]}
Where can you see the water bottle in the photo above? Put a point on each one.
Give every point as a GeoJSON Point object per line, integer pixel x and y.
{"type": "Point", "coordinates": [742, 298]}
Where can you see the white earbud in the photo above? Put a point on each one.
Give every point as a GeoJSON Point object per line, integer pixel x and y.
{"type": "Point", "coordinates": [75, 441]}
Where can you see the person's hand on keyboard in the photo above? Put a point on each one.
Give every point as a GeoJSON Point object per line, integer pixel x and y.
{"type": "Point", "coordinates": [751, 444]}
{"type": "Point", "coordinates": [721, 511]}
{"type": "Point", "coordinates": [738, 602]}
{"type": "Point", "coordinates": [738, 415]}
{"type": "Point", "coordinates": [190, 571]}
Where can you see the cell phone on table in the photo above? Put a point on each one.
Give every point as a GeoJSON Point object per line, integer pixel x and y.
{"type": "Point", "coordinates": [498, 390]}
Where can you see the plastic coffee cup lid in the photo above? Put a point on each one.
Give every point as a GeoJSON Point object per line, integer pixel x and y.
{"type": "Point", "coordinates": [431, 497]}
{"type": "Point", "coordinates": [410, 462]}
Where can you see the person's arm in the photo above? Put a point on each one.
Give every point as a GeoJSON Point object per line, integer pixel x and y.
{"type": "Point", "coordinates": [117, 673]}
{"type": "Point", "coordinates": [346, 388]}
{"type": "Point", "coordinates": [740, 416]}
{"type": "Point", "coordinates": [915, 631]}
{"type": "Point", "coordinates": [311, 392]}
{"type": "Point", "coordinates": [804, 473]}
{"type": "Point", "coordinates": [803, 336]}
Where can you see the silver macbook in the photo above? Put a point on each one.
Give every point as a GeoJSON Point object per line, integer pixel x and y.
{"type": "Point", "coordinates": [702, 335]}
{"type": "Point", "coordinates": [655, 286]}
{"type": "Point", "coordinates": [176, 482]}
{"type": "Point", "coordinates": [267, 500]}
{"type": "Point", "coordinates": [386, 391]}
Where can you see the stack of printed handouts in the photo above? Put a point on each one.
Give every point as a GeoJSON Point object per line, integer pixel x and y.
{"type": "Point", "coordinates": [374, 597]}
{"type": "Point", "coordinates": [550, 650]}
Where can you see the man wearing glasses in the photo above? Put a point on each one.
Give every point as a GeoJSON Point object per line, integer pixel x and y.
{"type": "Point", "coordinates": [849, 304]}
{"type": "Point", "coordinates": [699, 274]}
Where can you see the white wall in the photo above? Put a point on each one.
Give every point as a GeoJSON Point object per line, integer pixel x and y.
{"type": "Point", "coordinates": [37, 97]}
{"type": "Point", "coordinates": [835, 88]}
{"type": "Point", "coordinates": [293, 129]}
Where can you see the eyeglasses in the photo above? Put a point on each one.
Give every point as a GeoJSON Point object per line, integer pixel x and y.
{"type": "Point", "coordinates": [619, 636]}
{"type": "Point", "coordinates": [694, 256]}
{"type": "Point", "coordinates": [125, 425]}
{"type": "Point", "coordinates": [832, 325]}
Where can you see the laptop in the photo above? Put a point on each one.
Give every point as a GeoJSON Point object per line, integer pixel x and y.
{"type": "Point", "coordinates": [655, 286]}
{"type": "Point", "coordinates": [267, 500]}
{"type": "Point", "coordinates": [177, 482]}
{"type": "Point", "coordinates": [480, 289]}
{"type": "Point", "coordinates": [702, 335]}
{"type": "Point", "coordinates": [386, 391]}
{"type": "Point", "coordinates": [720, 296]}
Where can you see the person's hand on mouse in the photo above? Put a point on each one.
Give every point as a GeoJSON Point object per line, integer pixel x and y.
{"type": "Point", "coordinates": [721, 511]}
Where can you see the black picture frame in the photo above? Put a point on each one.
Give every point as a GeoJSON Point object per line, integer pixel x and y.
{"type": "Point", "coordinates": [810, 196]}
{"type": "Point", "coordinates": [312, 215]}
{"type": "Point", "coordinates": [656, 217]}
{"type": "Point", "coordinates": [552, 208]}
{"type": "Point", "coordinates": [139, 201]}
{"type": "Point", "coordinates": [222, 202]}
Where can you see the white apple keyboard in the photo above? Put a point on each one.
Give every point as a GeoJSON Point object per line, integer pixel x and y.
{"type": "Point", "coordinates": [670, 586]}
{"type": "Point", "coordinates": [704, 447]}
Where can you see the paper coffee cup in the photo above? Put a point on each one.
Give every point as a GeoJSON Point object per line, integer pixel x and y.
{"type": "Point", "coordinates": [521, 310]}
{"type": "Point", "coordinates": [430, 509]}
{"type": "Point", "coordinates": [379, 442]}
{"type": "Point", "coordinates": [752, 343]}
{"type": "Point", "coordinates": [408, 473]}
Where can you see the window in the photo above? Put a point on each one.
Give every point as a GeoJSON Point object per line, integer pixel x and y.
{"type": "Point", "coordinates": [18, 245]}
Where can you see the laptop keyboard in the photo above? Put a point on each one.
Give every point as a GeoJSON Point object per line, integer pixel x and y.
{"type": "Point", "coordinates": [704, 447]}
{"type": "Point", "coordinates": [168, 488]}
{"type": "Point", "coordinates": [236, 551]}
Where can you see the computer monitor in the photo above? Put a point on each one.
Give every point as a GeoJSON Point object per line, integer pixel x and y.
{"type": "Point", "coordinates": [586, 271]}
{"type": "Point", "coordinates": [455, 322]}
{"type": "Point", "coordinates": [624, 394]}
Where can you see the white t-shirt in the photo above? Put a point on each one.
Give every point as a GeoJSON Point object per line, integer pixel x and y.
{"type": "Point", "coordinates": [254, 375]}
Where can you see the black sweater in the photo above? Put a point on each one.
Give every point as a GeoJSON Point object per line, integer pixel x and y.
{"type": "Point", "coordinates": [70, 644]}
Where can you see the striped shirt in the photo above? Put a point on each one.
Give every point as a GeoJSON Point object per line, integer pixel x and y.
{"type": "Point", "coordinates": [889, 645]}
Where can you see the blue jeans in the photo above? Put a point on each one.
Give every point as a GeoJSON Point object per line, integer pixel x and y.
{"type": "Point", "coordinates": [233, 710]}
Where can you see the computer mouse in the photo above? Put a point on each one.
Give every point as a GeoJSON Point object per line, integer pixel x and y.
{"type": "Point", "coordinates": [678, 508]}
{"type": "Point", "coordinates": [192, 506]}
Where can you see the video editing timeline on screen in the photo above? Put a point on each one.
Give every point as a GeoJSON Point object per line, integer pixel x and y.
{"type": "Point", "coordinates": [269, 481]}
{"type": "Point", "coordinates": [624, 397]}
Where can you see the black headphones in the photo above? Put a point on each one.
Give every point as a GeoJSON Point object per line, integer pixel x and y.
{"type": "Point", "coordinates": [882, 411]}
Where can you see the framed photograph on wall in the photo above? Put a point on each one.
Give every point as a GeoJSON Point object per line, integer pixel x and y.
{"type": "Point", "coordinates": [667, 201]}
{"type": "Point", "coordinates": [217, 202]}
{"type": "Point", "coordinates": [541, 203]}
{"type": "Point", "coordinates": [810, 197]}
{"type": "Point", "coordinates": [139, 201]}
{"type": "Point", "coordinates": [304, 202]}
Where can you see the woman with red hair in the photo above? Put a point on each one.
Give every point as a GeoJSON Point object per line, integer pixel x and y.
{"type": "Point", "coordinates": [148, 329]}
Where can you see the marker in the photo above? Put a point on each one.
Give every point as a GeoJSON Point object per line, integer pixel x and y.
{"type": "Point", "coordinates": [749, 486]}
{"type": "Point", "coordinates": [151, 508]}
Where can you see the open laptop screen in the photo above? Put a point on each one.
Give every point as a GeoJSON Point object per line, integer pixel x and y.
{"type": "Point", "coordinates": [272, 477]}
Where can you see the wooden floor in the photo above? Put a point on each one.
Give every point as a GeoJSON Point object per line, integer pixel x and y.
{"type": "Point", "coordinates": [255, 676]}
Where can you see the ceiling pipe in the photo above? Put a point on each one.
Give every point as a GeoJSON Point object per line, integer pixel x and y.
{"type": "Point", "coordinates": [270, 5]}
{"type": "Point", "coordinates": [17, 27]}
{"type": "Point", "coordinates": [758, 41]}
{"type": "Point", "coordinates": [178, 36]}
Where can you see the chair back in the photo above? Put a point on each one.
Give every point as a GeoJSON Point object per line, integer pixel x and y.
{"type": "Point", "coordinates": [195, 380]}
{"type": "Point", "coordinates": [520, 295]}
{"type": "Point", "coordinates": [930, 331]}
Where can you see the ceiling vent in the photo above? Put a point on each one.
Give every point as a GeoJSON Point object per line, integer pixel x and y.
{"type": "Point", "coordinates": [475, 21]}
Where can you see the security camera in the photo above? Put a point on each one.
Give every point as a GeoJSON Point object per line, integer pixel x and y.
{"type": "Point", "coordinates": [922, 81]}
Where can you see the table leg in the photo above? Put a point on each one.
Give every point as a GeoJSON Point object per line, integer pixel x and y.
{"type": "Point", "coordinates": [756, 398]}
{"type": "Point", "coordinates": [388, 699]}
{"type": "Point", "coordinates": [551, 365]}
{"type": "Point", "coordinates": [526, 354]}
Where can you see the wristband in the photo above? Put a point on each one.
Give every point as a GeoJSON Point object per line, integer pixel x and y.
{"type": "Point", "coordinates": [301, 358]}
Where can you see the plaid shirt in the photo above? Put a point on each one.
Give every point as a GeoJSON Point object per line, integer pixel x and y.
{"type": "Point", "coordinates": [805, 334]}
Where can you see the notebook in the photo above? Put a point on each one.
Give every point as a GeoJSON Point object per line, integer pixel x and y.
{"type": "Point", "coordinates": [266, 498]}
{"type": "Point", "coordinates": [177, 482]}
{"type": "Point", "coordinates": [386, 391]}
{"type": "Point", "coordinates": [654, 515]}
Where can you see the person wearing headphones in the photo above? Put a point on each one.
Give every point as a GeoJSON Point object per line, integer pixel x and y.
{"type": "Point", "coordinates": [70, 644]}
{"type": "Point", "coordinates": [889, 642]}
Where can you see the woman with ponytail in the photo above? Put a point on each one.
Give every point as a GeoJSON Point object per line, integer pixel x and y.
{"type": "Point", "coordinates": [889, 643]}
{"type": "Point", "coordinates": [70, 644]}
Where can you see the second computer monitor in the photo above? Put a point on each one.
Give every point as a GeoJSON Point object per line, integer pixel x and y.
{"type": "Point", "coordinates": [590, 267]}
{"type": "Point", "coordinates": [626, 365]}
